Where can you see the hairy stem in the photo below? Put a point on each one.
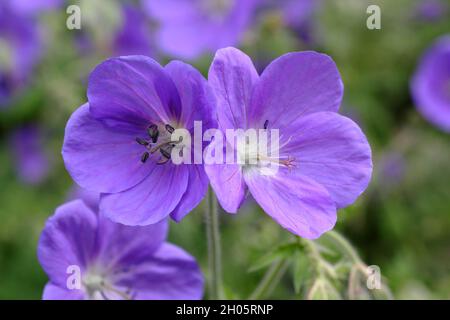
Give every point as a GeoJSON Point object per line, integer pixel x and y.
{"type": "Point", "coordinates": [346, 246]}
{"type": "Point", "coordinates": [214, 248]}
{"type": "Point", "coordinates": [270, 280]}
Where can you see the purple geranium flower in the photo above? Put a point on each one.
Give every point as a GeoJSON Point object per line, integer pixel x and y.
{"type": "Point", "coordinates": [190, 28]}
{"type": "Point", "coordinates": [86, 256]}
{"type": "Point", "coordinates": [29, 155]}
{"type": "Point", "coordinates": [430, 85]}
{"type": "Point", "coordinates": [324, 158]}
{"type": "Point", "coordinates": [119, 144]}
{"type": "Point", "coordinates": [20, 48]}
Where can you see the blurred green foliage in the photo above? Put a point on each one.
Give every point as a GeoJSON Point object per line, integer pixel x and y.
{"type": "Point", "coordinates": [401, 223]}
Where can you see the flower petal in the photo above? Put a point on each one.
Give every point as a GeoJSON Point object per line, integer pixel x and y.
{"type": "Point", "coordinates": [53, 292]}
{"type": "Point", "coordinates": [131, 92]}
{"type": "Point", "coordinates": [194, 194]}
{"type": "Point", "coordinates": [228, 183]}
{"type": "Point", "coordinates": [150, 201]}
{"type": "Point", "coordinates": [331, 150]}
{"type": "Point", "coordinates": [100, 159]}
{"type": "Point", "coordinates": [294, 201]}
{"type": "Point", "coordinates": [120, 246]}
{"type": "Point", "coordinates": [232, 76]}
{"type": "Point", "coordinates": [170, 274]}
{"type": "Point", "coordinates": [197, 99]}
{"type": "Point", "coordinates": [293, 85]}
{"type": "Point", "coordinates": [68, 239]}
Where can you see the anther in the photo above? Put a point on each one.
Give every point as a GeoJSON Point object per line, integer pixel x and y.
{"type": "Point", "coordinates": [142, 142]}
{"type": "Point", "coordinates": [144, 157]}
{"type": "Point", "coordinates": [165, 153]}
{"type": "Point", "coordinates": [169, 128]}
{"type": "Point", "coordinates": [266, 124]}
{"type": "Point", "coordinates": [153, 132]}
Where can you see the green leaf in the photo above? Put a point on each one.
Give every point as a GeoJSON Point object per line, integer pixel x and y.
{"type": "Point", "coordinates": [301, 270]}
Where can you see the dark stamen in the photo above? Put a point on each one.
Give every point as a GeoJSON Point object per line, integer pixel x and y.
{"type": "Point", "coordinates": [169, 128]}
{"type": "Point", "coordinates": [153, 132]}
{"type": "Point", "coordinates": [141, 141]}
{"type": "Point", "coordinates": [266, 124]}
{"type": "Point", "coordinates": [144, 157]}
{"type": "Point", "coordinates": [165, 153]}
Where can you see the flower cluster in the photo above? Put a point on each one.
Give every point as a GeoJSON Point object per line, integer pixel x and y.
{"type": "Point", "coordinates": [120, 147]}
{"type": "Point", "coordinates": [120, 144]}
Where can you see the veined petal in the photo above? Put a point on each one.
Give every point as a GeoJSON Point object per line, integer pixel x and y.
{"type": "Point", "coordinates": [232, 76]}
{"type": "Point", "coordinates": [170, 274]}
{"type": "Point", "coordinates": [131, 92]}
{"type": "Point", "coordinates": [101, 159]}
{"type": "Point", "coordinates": [68, 240]}
{"type": "Point", "coordinates": [295, 85]}
{"type": "Point", "coordinates": [331, 150]}
{"type": "Point", "coordinates": [120, 246]}
{"type": "Point", "coordinates": [150, 201]}
{"type": "Point", "coordinates": [294, 201]}
{"type": "Point", "coordinates": [197, 99]}
{"type": "Point", "coordinates": [194, 194]}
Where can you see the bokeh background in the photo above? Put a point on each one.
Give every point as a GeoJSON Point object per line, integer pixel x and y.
{"type": "Point", "coordinates": [401, 223]}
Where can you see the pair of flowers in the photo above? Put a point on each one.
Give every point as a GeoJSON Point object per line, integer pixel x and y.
{"type": "Point", "coordinates": [114, 145]}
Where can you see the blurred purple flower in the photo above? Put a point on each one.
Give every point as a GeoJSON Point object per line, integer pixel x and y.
{"type": "Point", "coordinates": [119, 143]}
{"type": "Point", "coordinates": [324, 158]}
{"type": "Point", "coordinates": [30, 158]}
{"type": "Point", "coordinates": [112, 261]}
{"type": "Point", "coordinates": [190, 28]}
{"type": "Point", "coordinates": [20, 49]}
{"type": "Point", "coordinates": [430, 85]}
{"type": "Point", "coordinates": [132, 37]}
{"type": "Point", "coordinates": [298, 14]}
{"type": "Point", "coordinates": [431, 10]}
{"type": "Point", "coordinates": [34, 7]}
{"type": "Point", "coordinates": [391, 168]}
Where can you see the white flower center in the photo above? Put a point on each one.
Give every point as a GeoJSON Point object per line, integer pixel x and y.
{"type": "Point", "coordinates": [262, 155]}
{"type": "Point", "coordinates": [99, 287]}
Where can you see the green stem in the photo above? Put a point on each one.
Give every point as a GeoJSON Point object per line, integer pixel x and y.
{"type": "Point", "coordinates": [214, 248]}
{"type": "Point", "coordinates": [346, 246]}
{"type": "Point", "coordinates": [270, 280]}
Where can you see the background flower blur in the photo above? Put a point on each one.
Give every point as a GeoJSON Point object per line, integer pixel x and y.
{"type": "Point", "coordinates": [401, 223]}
